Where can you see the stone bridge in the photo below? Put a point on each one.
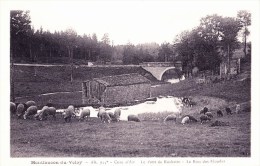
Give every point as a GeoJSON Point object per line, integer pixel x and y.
{"type": "Point", "coordinates": [157, 69]}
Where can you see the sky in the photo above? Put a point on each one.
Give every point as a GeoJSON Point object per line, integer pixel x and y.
{"type": "Point", "coordinates": [128, 21]}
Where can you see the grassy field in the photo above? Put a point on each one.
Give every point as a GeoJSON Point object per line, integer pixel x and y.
{"type": "Point", "coordinates": [30, 138]}
{"type": "Point", "coordinates": [150, 138]}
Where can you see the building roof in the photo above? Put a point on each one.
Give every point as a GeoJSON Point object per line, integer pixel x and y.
{"type": "Point", "coordinates": [122, 80]}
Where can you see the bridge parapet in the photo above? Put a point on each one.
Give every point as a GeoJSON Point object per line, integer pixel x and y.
{"type": "Point", "coordinates": [157, 64]}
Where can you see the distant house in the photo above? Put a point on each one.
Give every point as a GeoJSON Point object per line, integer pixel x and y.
{"type": "Point", "coordinates": [117, 89]}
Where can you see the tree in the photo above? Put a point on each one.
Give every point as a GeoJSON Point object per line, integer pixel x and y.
{"type": "Point", "coordinates": [229, 32]}
{"type": "Point", "coordinates": [105, 49]}
{"type": "Point", "coordinates": [244, 18]}
{"type": "Point", "coordinates": [20, 24]}
{"type": "Point", "coordinates": [165, 52]}
{"type": "Point", "coordinates": [71, 44]}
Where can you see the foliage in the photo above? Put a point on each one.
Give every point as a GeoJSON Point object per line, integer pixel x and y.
{"type": "Point", "coordinates": [207, 45]}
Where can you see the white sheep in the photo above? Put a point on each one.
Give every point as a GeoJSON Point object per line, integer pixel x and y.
{"type": "Point", "coordinates": [238, 108]}
{"type": "Point", "coordinates": [32, 110]}
{"type": "Point", "coordinates": [30, 103]}
{"type": "Point", "coordinates": [84, 112]}
{"type": "Point", "coordinates": [185, 120]}
{"type": "Point", "coordinates": [46, 112]}
{"type": "Point", "coordinates": [171, 117]}
{"type": "Point", "coordinates": [20, 110]}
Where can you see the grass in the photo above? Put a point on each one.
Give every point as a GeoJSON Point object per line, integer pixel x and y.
{"type": "Point", "coordinates": [129, 139]}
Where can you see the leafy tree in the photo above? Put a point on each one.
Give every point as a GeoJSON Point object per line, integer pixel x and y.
{"type": "Point", "coordinates": [20, 25]}
{"type": "Point", "coordinates": [165, 52]}
{"type": "Point", "coordinates": [244, 18]}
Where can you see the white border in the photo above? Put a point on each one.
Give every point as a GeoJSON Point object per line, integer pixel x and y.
{"type": "Point", "coordinates": [6, 6]}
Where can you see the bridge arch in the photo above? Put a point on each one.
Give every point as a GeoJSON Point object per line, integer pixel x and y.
{"type": "Point", "coordinates": [158, 72]}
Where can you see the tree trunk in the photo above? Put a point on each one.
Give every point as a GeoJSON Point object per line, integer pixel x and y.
{"type": "Point", "coordinates": [71, 65]}
{"type": "Point", "coordinates": [228, 52]}
{"type": "Point", "coordinates": [245, 42]}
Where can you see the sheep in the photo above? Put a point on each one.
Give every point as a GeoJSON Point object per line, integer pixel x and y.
{"type": "Point", "coordinates": [68, 113]}
{"type": "Point", "coordinates": [39, 112]}
{"type": "Point", "coordinates": [101, 110]}
{"type": "Point", "coordinates": [171, 117]}
{"type": "Point", "coordinates": [238, 109]}
{"type": "Point", "coordinates": [46, 112]}
{"type": "Point", "coordinates": [191, 118]}
{"type": "Point", "coordinates": [117, 114]}
{"type": "Point", "coordinates": [133, 118]}
{"type": "Point", "coordinates": [30, 103]}
{"type": "Point", "coordinates": [228, 110]}
{"type": "Point", "coordinates": [185, 120]}
{"type": "Point", "coordinates": [84, 112]}
{"type": "Point", "coordinates": [209, 114]}
{"type": "Point", "coordinates": [219, 113]}
{"type": "Point", "coordinates": [205, 109]}
{"type": "Point", "coordinates": [20, 110]}
{"type": "Point", "coordinates": [32, 110]}
{"type": "Point", "coordinates": [12, 108]}
{"type": "Point", "coordinates": [204, 118]}
{"type": "Point", "coordinates": [105, 117]}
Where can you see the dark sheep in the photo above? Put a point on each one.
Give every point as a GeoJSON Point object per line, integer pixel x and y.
{"type": "Point", "coordinates": [133, 118]}
{"type": "Point", "coordinates": [205, 109]}
{"type": "Point", "coordinates": [228, 110]}
{"type": "Point", "coordinates": [12, 108]}
{"type": "Point", "coordinates": [219, 113]}
{"type": "Point", "coordinates": [209, 114]}
{"type": "Point", "coordinates": [204, 118]}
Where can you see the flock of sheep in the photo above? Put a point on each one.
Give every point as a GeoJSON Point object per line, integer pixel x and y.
{"type": "Point", "coordinates": [30, 109]}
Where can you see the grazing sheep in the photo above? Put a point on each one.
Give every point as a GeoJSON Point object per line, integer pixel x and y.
{"type": "Point", "coordinates": [192, 119]}
{"type": "Point", "coordinates": [39, 112]}
{"type": "Point", "coordinates": [228, 110]}
{"type": "Point", "coordinates": [83, 113]}
{"type": "Point", "coordinates": [101, 110]}
{"type": "Point", "coordinates": [46, 112]}
{"type": "Point", "coordinates": [117, 114]}
{"type": "Point", "coordinates": [219, 113]}
{"type": "Point", "coordinates": [30, 103]}
{"type": "Point", "coordinates": [32, 110]}
{"type": "Point", "coordinates": [238, 109]}
{"type": "Point", "coordinates": [20, 110]}
{"type": "Point", "coordinates": [205, 109]}
{"type": "Point", "coordinates": [12, 108]}
{"type": "Point", "coordinates": [209, 114]}
{"type": "Point", "coordinates": [68, 113]}
{"type": "Point", "coordinates": [185, 120]}
{"type": "Point", "coordinates": [105, 117]}
{"type": "Point", "coordinates": [171, 117]}
{"type": "Point", "coordinates": [133, 118]}
{"type": "Point", "coordinates": [204, 118]}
